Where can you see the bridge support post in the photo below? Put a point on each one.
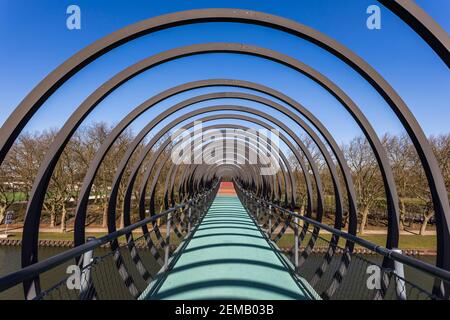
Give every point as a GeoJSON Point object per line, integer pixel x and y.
{"type": "Point", "coordinates": [296, 244]}
{"type": "Point", "coordinates": [400, 275]}
{"type": "Point", "coordinates": [167, 248]}
{"type": "Point", "coordinates": [270, 221]}
{"type": "Point", "coordinates": [87, 291]}
{"type": "Point", "coordinates": [189, 218]}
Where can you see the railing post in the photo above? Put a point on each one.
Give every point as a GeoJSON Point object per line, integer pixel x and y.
{"type": "Point", "coordinates": [85, 278]}
{"type": "Point", "coordinates": [167, 248]}
{"type": "Point", "coordinates": [399, 282]}
{"type": "Point", "coordinates": [270, 221]}
{"type": "Point", "coordinates": [193, 212]}
{"type": "Point", "coordinates": [189, 218]}
{"type": "Point", "coordinates": [296, 243]}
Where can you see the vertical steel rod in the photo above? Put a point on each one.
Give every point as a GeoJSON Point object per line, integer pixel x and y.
{"type": "Point", "coordinates": [167, 248]}
{"type": "Point", "coordinates": [399, 281]}
{"type": "Point", "coordinates": [296, 243]}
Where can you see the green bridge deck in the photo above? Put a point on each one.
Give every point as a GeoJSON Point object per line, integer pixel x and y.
{"type": "Point", "coordinates": [228, 257]}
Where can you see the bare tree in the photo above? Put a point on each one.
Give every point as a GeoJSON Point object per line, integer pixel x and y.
{"type": "Point", "coordinates": [95, 135]}
{"type": "Point", "coordinates": [402, 158]}
{"type": "Point", "coordinates": [18, 172]}
{"type": "Point", "coordinates": [9, 187]}
{"type": "Point", "coordinates": [118, 152]}
{"type": "Point", "coordinates": [64, 183]}
{"type": "Point", "coordinates": [441, 148]}
{"type": "Point", "coordinates": [25, 158]}
{"type": "Point", "coordinates": [366, 176]}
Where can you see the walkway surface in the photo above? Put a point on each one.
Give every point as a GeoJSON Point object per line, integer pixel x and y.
{"type": "Point", "coordinates": [229, 258]}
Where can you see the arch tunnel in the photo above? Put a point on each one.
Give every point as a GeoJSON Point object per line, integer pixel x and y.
{"type": "Point", "coordinates": [187, 169]}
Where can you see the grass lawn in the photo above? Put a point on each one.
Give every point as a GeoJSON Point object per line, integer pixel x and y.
{"type": "Point", "coordinates": [18, 196]}
{"type": "Point", "coordinates": [55, 236]}
{"type": "Point", "coordinates": [406, 241]}
{"type": "Point", "coordinates": [69, 236]}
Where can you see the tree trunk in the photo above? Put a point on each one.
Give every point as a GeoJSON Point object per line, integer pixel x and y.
{"type": "Point", "coordinates": [345, 220]}
{"type": "Point", "coordinates": [302, 213]}
{"type": "Point", "coordinates": [423, 227]}
{"type": "Point", "coordinates": [362, 226]}
{"type": "Point", "coordinates": [2, 213]}
{"type": "Point", "coordinates": [302, 209]}
{"type": "Point", "coordinates": [52, 219]}
{"type": "Point", "coordinates": [105, 215]}
{"type": "Point", "coordinates": [63, 219]}
{"type": "Point", "coordinates": [402, 214]}
{"type": "Point", "coordinates": [121, 221]}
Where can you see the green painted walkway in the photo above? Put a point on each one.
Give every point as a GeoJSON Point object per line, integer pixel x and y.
{"type": "Point", "coordinates": [229, 258]}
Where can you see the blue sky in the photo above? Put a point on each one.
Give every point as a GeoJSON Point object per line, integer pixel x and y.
{"type": "Point", "coordinates": [35, 40]}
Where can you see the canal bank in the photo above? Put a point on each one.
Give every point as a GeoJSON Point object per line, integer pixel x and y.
{"type": "Point", "coordinates": [10, 262]}
{"type": "Point", "coordinates": [56, 243]}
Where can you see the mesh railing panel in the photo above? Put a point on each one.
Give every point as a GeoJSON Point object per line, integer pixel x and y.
{"type": "Point", "coordinates": [337, 273]}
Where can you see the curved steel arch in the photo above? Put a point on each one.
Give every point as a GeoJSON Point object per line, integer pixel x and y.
{"type": "Point", "coordinates": [252, 138]}
{"type": "Point", "coordinates": [196, 177]}
{"type": "Point", "coordinates": [410, 13]}
{"type": "Point", "coordinates": [424, 25]}
{"type": "Point", "coordinates": [135, 169]}
{"type": "Point", "coordinates": [156, 155]}
{"type": "Point", "coordinates": [387, 174]}
{"type": "Point", "coordinates": [212, 117]}
{"type": "Point", "coordinates": [198, 84]}
{"type": "Point", "coordinates": [42, 180]}
{"type": "Point", "coordinates": [31, 103]}
{"type": "Point", "coordinates": [95, 98]}
{"type": "Point", "coordinates": [195, 174]}
{"type": "Point", "coordinates": [89, 177]}
{"type": "Point", "coordinates": [208, 118]}
{"type": "Point", "coordinates": [290, 183]}
{"type": "Point", "coordinates": [210, 109]}
{"type": "Point", "coordinates": [25, 110]}
{"type": "Point", "coordinates": [111, 216]}
{"type": "Point", "coordinates": [174, 167]}
{"type": "Point", "coordinates": [169, 185]}
{"type": "Point", "coordinates": [126, 212]}
{"type": "Point", "coordinates": [322, 148]}
{"type": "Point", "coordinates": [223, 167]}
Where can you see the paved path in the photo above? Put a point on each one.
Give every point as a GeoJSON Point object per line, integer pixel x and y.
{"type": "Point", "coordinates": [229, 258]}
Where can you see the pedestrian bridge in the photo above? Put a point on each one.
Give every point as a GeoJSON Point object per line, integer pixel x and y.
{"type": "Point", "coordinates": [185, 235]}
{"type": "Point", "coordinates": [229, 257]}
{"type": "Point", "coordinates": [223, 245]}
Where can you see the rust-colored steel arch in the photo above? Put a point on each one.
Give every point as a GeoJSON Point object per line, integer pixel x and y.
{"type": "Point", "coordinates": [126, 212]}
{"type": "Point", "coordinates": [219, 108]}
{"type": "Point", "coordinates": [170, 183]}
{"type": "Point", "coordinates": [111, 209]}
{"type": "Point", "coordinates": [200, 111]}
{"type": "Point", "coordinates": [31, 103]}
{"type": "Point", "coordinates": [51, 83]}
{"type": "Point", "coordinates": [338, 216]}
{"type": "Point", "coordinates": [33, 211]}
{"type": "Point", "coordinates": [200, 178]}
{"type": "Point", "coordinates": [423, 25]}
{"type": "Point", "coordinates": [156, 155]}
{"type": "Point", "coordinates": [289, 184]}
{"type": "Point", "coordinates": [79, 232]}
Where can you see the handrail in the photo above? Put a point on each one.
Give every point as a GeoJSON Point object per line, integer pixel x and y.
{"type": "Point", "coordinates": [415, 263]}
{"type": "Point", "coordinates": [29, 272]}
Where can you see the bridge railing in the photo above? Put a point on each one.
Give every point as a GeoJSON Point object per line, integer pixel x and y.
{"type": "Point", "coordinates": [119, 265]}
{"type": "Point", "coordinates": [339, 265]}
